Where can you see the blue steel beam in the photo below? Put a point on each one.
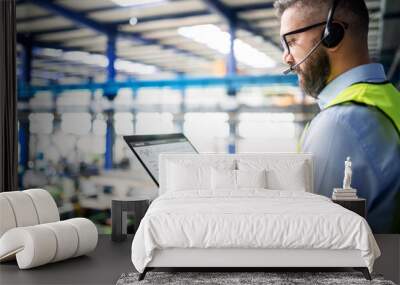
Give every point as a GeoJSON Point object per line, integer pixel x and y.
{"type": "Point", "coordinates": [183, 94]}
{"type": "Point", "coordinates": [232, 136]}
{"type": "Point", "coordinates": [231, 62]}
{"type": "Point", "coordinates": [110, 94]}
{"type": "Point", "coordinates": [231, 66]}
{"type": "Point", "coordinates": [221, 9]}
{"type": "Point", "coordinates": [26, 70]}
{"type": "Point", "coordinates": [23, 139]}
{"type": "Point", "coordinates": [183, 82]}
{"type": "Point", "coordinates": [110, 138]}
{"type": "Point", "coordinates": [109, 30]}
{"type": "Point", "coordinates": [23, 131]}
{"type": "Point", "coordinates": [252, 7]}
{"type": "Point", "coordinates": [111, 56]}
{"type": "Point", "coordinates": [231, 16]}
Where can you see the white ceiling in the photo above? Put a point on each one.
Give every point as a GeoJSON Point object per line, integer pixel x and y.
{"type": "Point", "coordinates": [49, 28]}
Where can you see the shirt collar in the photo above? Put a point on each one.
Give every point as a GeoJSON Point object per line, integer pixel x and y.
{"type": "Point", "coordinates": [372, 72]}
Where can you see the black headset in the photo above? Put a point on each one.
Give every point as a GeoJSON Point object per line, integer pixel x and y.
{"type": "Point", "coordinates": [333, 33]}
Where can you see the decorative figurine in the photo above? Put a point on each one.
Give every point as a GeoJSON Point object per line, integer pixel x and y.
{"type": "Point", "coordinates": [347, 174]}
{"type": "Point", "coordinates": [347, 192]}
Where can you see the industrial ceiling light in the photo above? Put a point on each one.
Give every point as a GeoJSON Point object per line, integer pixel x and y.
{"type": "Point", "coordinates": [133, 21]}
{"type": "Point", "coordinates": [213, 37]}
{"type": "Point", "coordinates": [134, 67]}
{"type": "Point", "coordinates": [50, 52]}
{"type": "Point", "coordinates": [135, 3]}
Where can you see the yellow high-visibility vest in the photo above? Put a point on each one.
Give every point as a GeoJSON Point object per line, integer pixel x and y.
{"type": "Point", "coordinates": [383, 96]}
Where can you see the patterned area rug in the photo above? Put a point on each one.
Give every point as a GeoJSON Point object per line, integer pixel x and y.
{"type": "Point", "coordinates": [242, 278]}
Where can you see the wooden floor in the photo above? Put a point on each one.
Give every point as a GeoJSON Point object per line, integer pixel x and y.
{"type": "Point", "coordinates": [110, 259]}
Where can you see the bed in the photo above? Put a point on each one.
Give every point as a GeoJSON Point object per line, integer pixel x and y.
{"type": "Point", "coordinates": [245, 211]}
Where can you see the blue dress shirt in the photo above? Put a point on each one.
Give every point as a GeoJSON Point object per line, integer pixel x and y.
{"type": "Point", "coordinates": [366, 135]}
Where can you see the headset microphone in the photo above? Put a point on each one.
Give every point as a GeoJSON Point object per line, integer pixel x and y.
{"type": "Point", "coordinates": [293, 67]}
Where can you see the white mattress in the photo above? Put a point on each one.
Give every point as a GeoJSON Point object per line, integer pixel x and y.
{"type": "Point", "coordinates": [250, 219]}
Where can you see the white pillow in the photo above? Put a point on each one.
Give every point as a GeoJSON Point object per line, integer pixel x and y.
{"type": "Point", "coordinates": [251, 178]}
{"type": "Point", "coordinates": [281, 174]}
{"type": "Point", "coordinates": [292, 179]}
{"type": "Point", "coordinates": [182, 177]}
{"type": "Point", "coordinates": [223, 179]}
{"type": "Point", "coordinates": [226, 179]}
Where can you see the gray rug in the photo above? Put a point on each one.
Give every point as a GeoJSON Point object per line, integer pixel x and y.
{"type": "Point", "coordinates": [230, 278]}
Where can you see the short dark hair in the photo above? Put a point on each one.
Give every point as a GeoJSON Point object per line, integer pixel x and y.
{"type": "Point", "coordinates": [354, 12]}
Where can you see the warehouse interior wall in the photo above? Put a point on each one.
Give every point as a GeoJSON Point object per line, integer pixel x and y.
{"type": "Point", "coordinates": [89, 73]}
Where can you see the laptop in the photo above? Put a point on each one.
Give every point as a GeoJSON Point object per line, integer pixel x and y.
{"type": "Point", "coordinates": [147, 148]}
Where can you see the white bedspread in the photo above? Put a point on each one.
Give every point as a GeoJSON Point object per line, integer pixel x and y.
{"type": "Point", "coordinates": [250, 219]}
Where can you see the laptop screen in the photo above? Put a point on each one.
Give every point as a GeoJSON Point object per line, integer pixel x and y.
{"type": "Point", "coordinates": [148, 147]}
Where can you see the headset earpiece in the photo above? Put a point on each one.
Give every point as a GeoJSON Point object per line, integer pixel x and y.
{"type": "Point", "coordinates": [332, 35]}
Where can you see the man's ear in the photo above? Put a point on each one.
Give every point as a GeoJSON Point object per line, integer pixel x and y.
{"type": "Point", "coordinates": [335, 49]}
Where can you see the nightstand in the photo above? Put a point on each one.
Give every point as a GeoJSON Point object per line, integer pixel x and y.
{"type": "Point", "coordinates": [119, 215]}
{"type": "Point", "coordinates": [358, 206]}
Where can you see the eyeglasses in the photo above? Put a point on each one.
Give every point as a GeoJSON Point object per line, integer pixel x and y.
{"type": "Point", "coordinates": [285, 41]}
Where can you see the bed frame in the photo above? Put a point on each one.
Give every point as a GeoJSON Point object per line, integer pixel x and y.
{"type": "Point", "coordinates": [260, 259]}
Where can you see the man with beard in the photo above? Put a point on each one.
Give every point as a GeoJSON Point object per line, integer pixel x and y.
{"type": "Point", "coordinates": [326, 43]}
